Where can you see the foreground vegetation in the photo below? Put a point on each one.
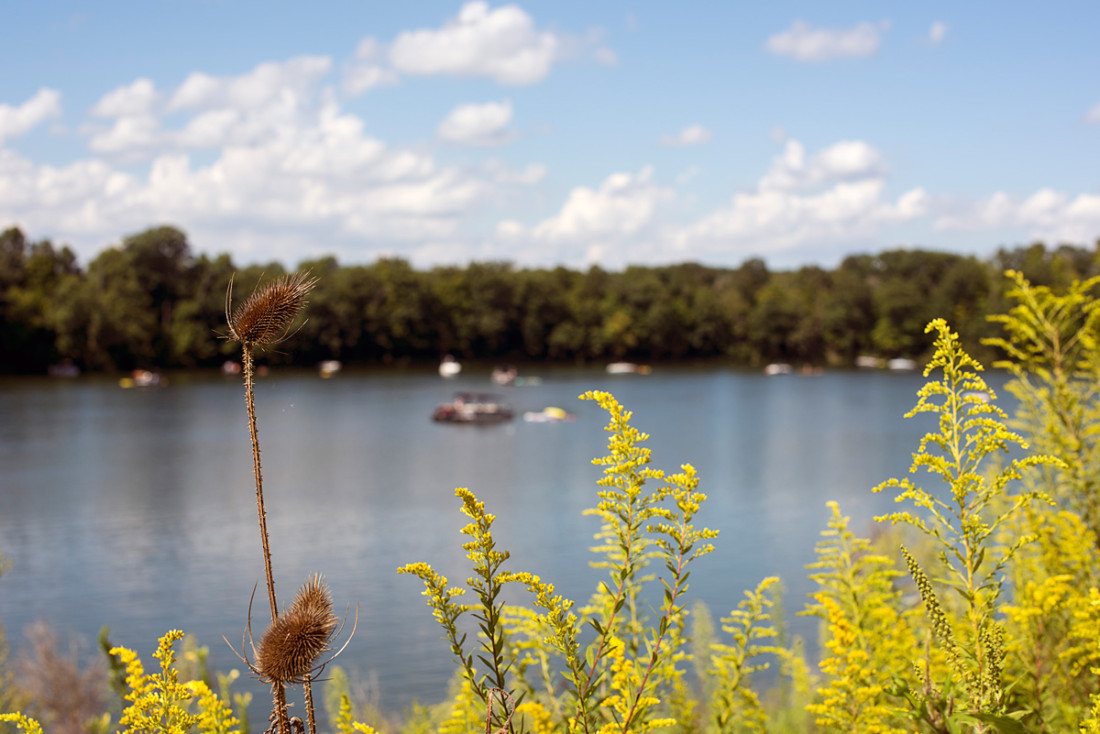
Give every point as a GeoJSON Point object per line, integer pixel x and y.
{"type": "Point", "coordinates": [151, 303]}
{"type": "Point", "coordinates": [975, 607]}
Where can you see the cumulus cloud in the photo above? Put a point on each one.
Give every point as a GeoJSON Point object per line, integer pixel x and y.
{"type": "Point", "coordinates": [138, 98]}
{"type": "Point", "coordinates": [273, 99]}
{"type": "Point", "coordinates": [609, 223]}
{"type": "Point", "coordinates": [482, 125]}
{"type": "Point", "coordinates": [1093, 115]}
{"type": "Point", "coordinates": [367, 69]}
{"type": "Point", "coordinates": [280, 156]}
{"type": "Point", "coordinates": [937, 33]}
{"type": "Point", "coordinates": [529, 175]}
{"type": "Point", "coordinates": [803, 42]}
{"type": "Point", "coordinates": [622, 205]}
{"type": "Point", "coordinates": [1053, 216]}
{"type": "Point", "coordinates": [690, 135]}
{"type": "Point", "coordinates": [836, 195]}
{"type": "Point", "coordinates": [846, 160]}
{"type": "Point", "coordinates": [132, 136]}
{"type": "Point", "coordinates": [502, 44]}
{"type": "Point", "coordinates": [268, 84]}
{"type": "Point", "coordinates": [16, 121]}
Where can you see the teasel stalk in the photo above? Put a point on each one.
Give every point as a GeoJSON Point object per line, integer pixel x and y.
{"type": "Point", "coordinates": [264, 320]}
{"type": "Point", "coordinates": [291, 647]}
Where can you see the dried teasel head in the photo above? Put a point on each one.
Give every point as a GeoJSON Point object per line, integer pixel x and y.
{"type": "Point", "coordinates": [292, 645]}
{"type": "Point", "coordinates": [266, 315]}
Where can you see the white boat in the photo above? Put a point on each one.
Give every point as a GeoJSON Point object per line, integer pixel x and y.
{"type": "Point", "coordinates": [504, 375]}
{"type": "Point", "coordinates": [143, 378]}
{"type": "Point", "coordinates": [449, 367]}
{"type": "Point", "coordinates": [473, 409]}
{"type": "Point", "coordinates": [902, 364]}
{"type": "Point", "coordinates": [622, 368]}
{"type": "Point", "coordinates": [778, 368]}
{"type": "Point", "coordinates": [627, 368]}
{"type": "Point", "coordinates": [549, 414]}
{"type": "Point", "coordinates": [329, 367]}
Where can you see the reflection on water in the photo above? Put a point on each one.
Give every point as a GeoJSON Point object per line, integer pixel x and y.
{"type": "Point", "coordinates": [135, 509]}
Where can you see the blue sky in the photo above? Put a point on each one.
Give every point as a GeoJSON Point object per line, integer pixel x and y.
{"type": "Point", "coordinates": [550, 133]}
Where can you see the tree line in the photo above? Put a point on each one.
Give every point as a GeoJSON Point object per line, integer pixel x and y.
{"type": "Point", "coordinates": [151, 302]}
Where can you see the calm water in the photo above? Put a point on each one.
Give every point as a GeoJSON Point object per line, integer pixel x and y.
{"type": "Point", "coordinates": [135, 509]}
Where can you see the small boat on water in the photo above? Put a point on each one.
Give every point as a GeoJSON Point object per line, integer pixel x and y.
{"type": "Point", "coordinates": [473, 409]}
{"type": "Point", "coordinates": [329, 367]}
{"type": "Point", "coordinates": [504, 375]}
{"type": "Point", "coordinates": [627, 368]}
{"type": "Point", "coordinates": [449, 367]}
{"type": "Point", "coordinates": [143, 378]}
{"type": "Point", "coordinates": [64, 368]}
{"type": "Point", "coordinates": [902, 364]}
{"type": "Point", "coordinates": [549, 414]}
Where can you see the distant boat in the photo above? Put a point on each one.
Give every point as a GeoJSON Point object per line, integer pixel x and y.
{"type": "Point", "coordinates": [504, 375]}
{"type": "Point", "coordinates": [64, 368]}
{"type": "Point", "coordinates": [778, 368]}
{"type": "Point", "coordinates": [627, 368]}
{"type": "Point", "coordinates": [902, 364]}
{"type": "Point", "coordinates": [143, 378]}
{"type": "Point", "coordinates": [549, 415]}
{"type": "Point", "coordinates": [449, 367]}
{"type": "Point", "coordinates": [329, 367]}
{"type": "Point", "coordinates": [473, 409]}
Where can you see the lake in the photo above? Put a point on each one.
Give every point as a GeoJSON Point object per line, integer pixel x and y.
{"type": "Point", "coordinates": [135, 509]}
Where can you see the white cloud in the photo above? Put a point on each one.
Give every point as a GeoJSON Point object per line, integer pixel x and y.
{"type": "Point", "coordinates": [690, 135]}
{"type": "Point", "coordinates": [687, 175]}
{"type": "Point", "coordinates": [1093, 115]}
{"type": "Point", "coordinates": [937, 33]}
{"type": "Point", "coordinates": [128, 135]}
{"type": "Point", "coordinates": [502, 44]}
{"type": "Point", "coordinates": [845, 160]}
{"type": "Point", "coordinates": [606, 56]}
{"type": "Point", "coordinates": [1049, 215]}
{"type": "Point", "coordinates": [617, 221]}
{"type": "Point", "coordinates": [622, 205]}
{"type": "Point", "coordinates": [279, 167]}
{"type": "Point", "coordinates": [803, 42]}
{"type": "Point", "coordinates": [835, 196]}
{"type": "Point", "coordinates": [529, 175]}
{"type": "Point", "coordinates": [481, 125]}
{"type": "Point", "coordinates": [15, 121]}
{"type": "Point", "coordinates": [269, 84]}
{"type": "Point", "coordinates": [139, 98]}
{"type": "Point", "coordinates": [366, 69]}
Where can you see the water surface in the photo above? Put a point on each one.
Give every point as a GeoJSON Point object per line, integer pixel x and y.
{"type": "Point", "coordinates": [135, 509]}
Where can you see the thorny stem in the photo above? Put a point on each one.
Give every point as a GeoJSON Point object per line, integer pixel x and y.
{"type": "Point", "coordinates": [310, 717]}
{"type": "Point", "coordinates": [278, 691]}
{"type": "Point", "coordinates": [279, 694]}
{"type": "Point", "coordinates": [251, 403]}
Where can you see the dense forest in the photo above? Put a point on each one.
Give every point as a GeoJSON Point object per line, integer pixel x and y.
{"type": "Point", "coordinates": [151, 302]}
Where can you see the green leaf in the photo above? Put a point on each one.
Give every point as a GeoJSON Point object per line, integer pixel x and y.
{"type": "Point", "coordinates": [1005, 724]}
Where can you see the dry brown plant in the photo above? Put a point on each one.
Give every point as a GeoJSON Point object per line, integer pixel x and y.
{"type": "Point", "coordinates": [291, 647]}
{"type": "Point", "coordinates": [264, 320]}
{"type": "Point", "coordinates": [65, 696]}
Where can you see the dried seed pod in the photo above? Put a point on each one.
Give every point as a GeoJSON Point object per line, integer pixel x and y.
{"type": "Point", "coordinates": [291, 646]}
{"type": "Point", "coordinates": [265, 316]}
